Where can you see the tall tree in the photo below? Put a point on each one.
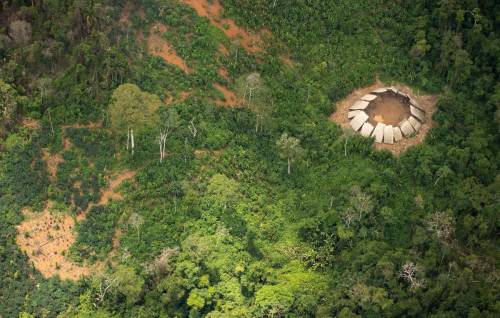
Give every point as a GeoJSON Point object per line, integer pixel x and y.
{"type": "Point", "coordinates": [289, 149]}
{"type": "Point", "coordinates": [132, 108]}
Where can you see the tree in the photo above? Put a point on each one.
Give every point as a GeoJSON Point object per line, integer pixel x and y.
{"type": "Point", "coordinates": [128, 283]}
{"type": "Point", "coordinates": [136, 221]}
{"type": "Point", "coordinates": [289, 149]}
{"type": "Point", "coordinates": [132, 108]}
{"type": "Point", "coordinates": [409, 274]}
{"type": "Point", "coordinates": [170, 121]}
{"type": "Point", "coordinates": [360, 202]}
{"type": "Point", "coordinates": [20, 31]}
{"type": "Point", "coordinates": [162, 264]}
{"type": "Point", "coordinates": [257, 97]}
{"type": "Point", "coordinates": [9, 104]}
{"type": "Point", "coordinates": [442, 225]}
{"type": "Point", "coordinates": [222, 190]}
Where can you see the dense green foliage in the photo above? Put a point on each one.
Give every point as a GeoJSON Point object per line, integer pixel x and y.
{"type": "Point", "coordinates": [220, 227]}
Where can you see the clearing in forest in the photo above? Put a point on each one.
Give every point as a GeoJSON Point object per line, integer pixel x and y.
{"type": "Point", "coordinates": [389, 110]}
{"type": "Point", "coordinates": [230, 98]}
{"type": "Point", "coordinates": [169, 100]}
{"type": "Point", "coordinates": [47, 236]}
{"type": "Point", "coordinates": [159, 47]}
{"type": "Point", "coordinates": [212, 10]}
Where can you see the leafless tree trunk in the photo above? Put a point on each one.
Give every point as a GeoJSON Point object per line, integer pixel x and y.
{"type": "Point", "coordinates": [128, 137]}
{"type": "Point", "coordinates": [50, 120]}
{"type": "Point", "coordinates": [104, 286]}
{"type": "Point", "coordinates": [192, 128]}
{"type": "Point", "coordinates": [132, 139]}
{"type": "Point", "coordinates": [161, 141]}
{"type": "Point", "coordinates": [408, 273]}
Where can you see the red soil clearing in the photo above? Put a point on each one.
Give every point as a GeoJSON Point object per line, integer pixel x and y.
{"type": "Point", "coordinates": [213, 11]}
{"type": "Point", "coordinates": [47, 236]}
{"type": "Point", "coordinates": [159, 47]}
{"type": "Point", "coordinates": [223, 73]}
{"type": "Point", "coordinates": [223, 50]}
{"type": "Point", "coordinates": [182, 97]}
{"type": "Point", "coordinates": [230, 98]}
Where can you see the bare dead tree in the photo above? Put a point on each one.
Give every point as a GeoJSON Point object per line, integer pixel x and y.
{"type": "Point", "coordinates": [192, 128]}
{"type": "Point", "coordinates": [442, 225]}
{"type": "Point", "coordinates": [132, 140]}
{"type": "Point", "coordinates": [105, 285]}
{"type": "Point", "coordinates": [408, 273]}
{"type": "Point", "coordinates": [162, 138]}
{"type": "Point", "coordinates": [348, 217]}
{"type": "Point", "coordinates": [161, 265]}
{"type": "Point", "coordinates": [361, 202]}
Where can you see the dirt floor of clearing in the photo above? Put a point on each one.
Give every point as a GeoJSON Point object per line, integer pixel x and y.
{"type": "Point", "coordinates": [159, 47]}
{"type": "Point", "coordinates": [47, 236]}
{"type": "Point", "coordinates": [389, 109]}
{"type": "Point", "coordinates": [428, 103]}
{"type": "Point", "coordinates": [212, 10]}
{"type": "Point", "coordinates": [230, 97]}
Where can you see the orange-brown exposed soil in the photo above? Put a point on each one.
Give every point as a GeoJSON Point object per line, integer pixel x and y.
{"type": "Point", "coordinates": [230, 98]}
{"type": "Point", "coordinates": [212, 10]}
{"type": "Point", "coordinates": [159, 47]}
{"type": "Point", "coordinates": [222, 71]}
{"type": "Point", "coordinates": [169, 100]}
{"type": "Point", "coordinates": [30, 123]}
{"type": "Point", "coordinates": [287, 60]}
{"type": "Point", "coordinates": [428, 103]}
{"type": "Point", "coordinates": [52, 161]}
{"type": "Point", "coordinates": [47, 236]}
{"type": "Point", "coordinates": [80, 126]}
{"type": "Point", "coordinates": [389, 109]}
{"type": "Point", "coordinates": [223, 50]}
{"type": "Point", "coordinates": [125, 15]}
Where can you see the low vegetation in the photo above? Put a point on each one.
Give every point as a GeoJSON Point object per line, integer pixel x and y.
{"type": "Point", "coordinates": [196, 192]}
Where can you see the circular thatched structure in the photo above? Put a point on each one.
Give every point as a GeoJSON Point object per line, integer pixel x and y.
{"type": "Point", "coordinates": [387, 114]}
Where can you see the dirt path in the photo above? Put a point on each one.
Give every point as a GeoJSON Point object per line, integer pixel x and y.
{"type": "Point", "coordinates": [222, 72]}
{"type": "Point", "coordinates": [47, 236]}
{"type": "Point", "coordinates": [428, 102]}
{"type": "Point", "coordinates": [212, 10]}
{"type": "Point", "coordinates": [182, 97]}
{"type": "Point", "coordinates": [230, 98]}
{"type": "Point", "coordinates": [159, 47]}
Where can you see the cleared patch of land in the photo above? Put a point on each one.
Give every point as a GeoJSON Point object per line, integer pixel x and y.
{"type": "Point", "coordinates": [212, 10]}
{"type": "Point", "coordinates": [230, 97]}
{"type": "Point", "coordinates": [389, 109]}
{"type": "Point", "coordinates": [427, 102]}
{"type": "Point", "coordinates": [46, 236]}
{"type": "Point", "coordinates": [160, 47]}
